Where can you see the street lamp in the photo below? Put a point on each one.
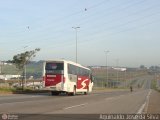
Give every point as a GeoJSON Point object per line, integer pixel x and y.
{"type": "Point", "coordinates": [117, 64]}
{"type": "Point", "coordinates": [0, 67]}
{"type": "Point", "coordinates": [76, 40]}
{"type": "Point", "coordinates": [25, 69]}
{"type": "Point", "coordinates": [106, 52]}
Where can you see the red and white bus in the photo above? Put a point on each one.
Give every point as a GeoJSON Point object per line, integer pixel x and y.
{"type": "Point", "coordinates": [66, 76]}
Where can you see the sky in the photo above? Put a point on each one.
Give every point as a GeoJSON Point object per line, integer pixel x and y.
{"type": "Point", "coordinates": [128, 29]}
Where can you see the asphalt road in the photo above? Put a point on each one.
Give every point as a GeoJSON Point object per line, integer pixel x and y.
{"type": "Point", "coordinates": [97, 103]}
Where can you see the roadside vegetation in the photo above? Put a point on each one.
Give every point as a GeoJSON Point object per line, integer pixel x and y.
{"type": "Point", "coordinates": [7, 90]}
{"type": "Point", "coordinates": [118, 79]}
{"type": "Point", "coordinates": [154, 85]}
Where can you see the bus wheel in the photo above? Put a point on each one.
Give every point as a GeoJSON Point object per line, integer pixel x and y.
{"type": "Point", "coordinates": [86, 93]}
{"type": "Point", "coordinates": [54, 93]}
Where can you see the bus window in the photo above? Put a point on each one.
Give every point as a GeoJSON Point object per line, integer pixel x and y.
{"type": "Point", "coordinates": [56, 68]}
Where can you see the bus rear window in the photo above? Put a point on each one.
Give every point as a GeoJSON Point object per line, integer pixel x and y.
{"type": "Point", "coordinates": [54, 66]}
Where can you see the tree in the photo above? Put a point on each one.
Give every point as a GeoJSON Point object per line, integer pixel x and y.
{"type": "Point", "coordinates": [20, 60]}
{"type": "Point", "coordinates": [142, 67]}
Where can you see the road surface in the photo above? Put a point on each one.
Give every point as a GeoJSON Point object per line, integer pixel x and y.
{"type": "Point", "coordinates": [101, 102]}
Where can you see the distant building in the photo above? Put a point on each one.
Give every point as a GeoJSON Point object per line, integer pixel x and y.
{"type": "Point", "coordinates": [120, 69]}
{"type": "Point", "coordinates": [9, 77]}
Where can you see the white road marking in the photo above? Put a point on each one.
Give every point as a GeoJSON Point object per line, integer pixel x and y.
{"type": "Point", "coordinates": [145, 104]}
{"type": "Point", "coordinates": [149, 94]}
{"type": "Point", "coordinates": [141, 108]}
{"type": "Point", "coordinates": [75, 106]}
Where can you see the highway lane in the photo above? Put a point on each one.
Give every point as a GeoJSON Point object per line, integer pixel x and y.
{"type": "Point", "coordinates": [96, 103]}
{"type": "Point", "coordinates": [101, 102]}
{"type": "Point", "coordinates": [128, 103]}
{"type": "Point", "coordinates": [47, 103]}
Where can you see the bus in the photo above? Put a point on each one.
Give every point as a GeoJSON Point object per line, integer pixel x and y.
{"type": "Point", "coordinates": [61, 76]}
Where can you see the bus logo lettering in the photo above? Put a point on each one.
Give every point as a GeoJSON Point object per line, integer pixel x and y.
{"type": "Point", "coordinates": [50, 79]}
{"type": "Point", "coordinates": [84, 84]}
{"type": "Point", "coordinates": [51, 75]}
{"type": "Point", "coordinates": [79, 78]}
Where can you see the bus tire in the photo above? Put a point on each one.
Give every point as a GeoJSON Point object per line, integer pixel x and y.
{"type": "Point", "coordinates": [54, 93]}
{"type": "Point", "coordinates": [86, 93]}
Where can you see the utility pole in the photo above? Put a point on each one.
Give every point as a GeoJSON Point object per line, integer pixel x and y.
{"type": "Point", "coordinates": [0, 67]}
{"type": "Point", "coordinates": [25, 70]}
{"type": "Point", "coordinates": [117, 62]}
{"type": "Point", "coordinates": [106, 52]}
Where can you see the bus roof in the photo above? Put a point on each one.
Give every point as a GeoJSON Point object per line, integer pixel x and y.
{"type": "Point", "coordinates": [69, 62]}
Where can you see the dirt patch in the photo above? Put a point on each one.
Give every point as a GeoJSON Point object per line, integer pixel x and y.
{"type": "Point", "coordinates": [154, 103]}
{"type": "Point", "coordinates": [5, 93]}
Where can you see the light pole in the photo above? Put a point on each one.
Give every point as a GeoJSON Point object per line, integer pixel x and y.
{"type": "Point", "coordinates": [76, 40]}
{"type": "Point", "coordinates": [0, 67]}
{"type": "Point", "coordinates": [106, 52]}
{"type": "Point", "coordinates": [117, 62]}
{"type": "Point", "coordinates": [125, 73]}
{"type": "Point", "coordinates": [25, 69]}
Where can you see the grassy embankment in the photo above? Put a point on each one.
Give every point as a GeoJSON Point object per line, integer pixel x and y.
{"type": "Point", "coordinates": [117, 79]}
{"type": "Point", "coordinates": [5, 90]}
{"type": "Point", "coordinates": [154, 85]}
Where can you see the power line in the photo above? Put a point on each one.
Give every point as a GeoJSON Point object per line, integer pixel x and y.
{"type": "Point", "coordinates": [110, 34]}
{"type": "Point", "coordinates": [55, 20]}
{"type": "Point", "coordinates": [76, 13]}
{"type": "Point", "coordinates": [102, 2]}
{"type": "Point", "coordinates": [115, 27]}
